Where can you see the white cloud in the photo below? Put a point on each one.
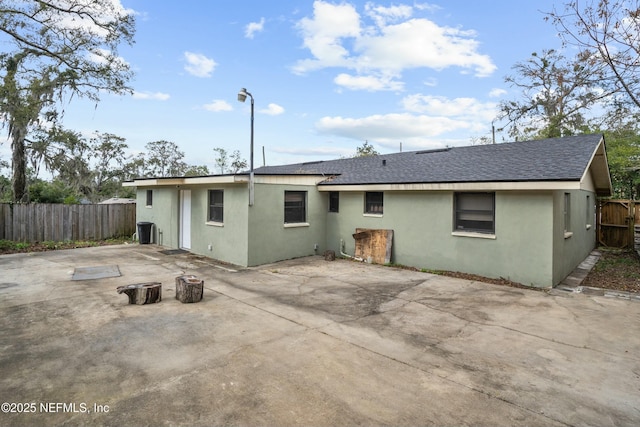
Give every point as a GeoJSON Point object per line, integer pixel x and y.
{"type": "Point", "coordinates": [326, 152]}
{"type": "Point", "coordinates": [469, 108]}
{"type": "Point", "coordinates": [199, 65]}
{"type": "Point", "coordinates": [425, 122]}
{"type": "Point", "coordinates": [88, 16]}
{"type": "Point", "coordinates": [382, 15]}
{"type": "Point", "coordinates": [431, 82]}
{"type": "Point", "coordinates": [158, 96]}
{"type": "Point", "coordinates": [253, 27]}
{"type": "Point", "coordinates": [370, 83]}
{"type": "Point", "coordinates": [389, 127]}
{"type": "Point", "coordinates": [394, 48]}
{"type": "Point", "coordinates": [337, 36]}
{"type": "Point", "coordinates": [497, 93]}
{"type": "Point", "coordinates": [218, 105]}
{"type": "Point", "coordinates": [428, 7]}
{"type": "Point", "coordinates": [323, 35]}
{"type": "Point", "coordinates": [104, 57]}
{"type": "Point", "coordinates": [273, 110]}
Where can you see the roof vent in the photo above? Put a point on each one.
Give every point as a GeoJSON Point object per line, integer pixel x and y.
{"type": "Point", "coordinates": [313, 163]}
{"type": "Point", "coordinates": [437, 150]}
{"type": "Point", "coordinates": [384, 162]}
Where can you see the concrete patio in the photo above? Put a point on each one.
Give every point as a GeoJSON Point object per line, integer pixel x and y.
{"type": "Point", "coordinates": [304, 342]}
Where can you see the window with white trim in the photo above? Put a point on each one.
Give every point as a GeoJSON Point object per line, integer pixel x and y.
{"type": "Point", "coordinates": [295, 207]}
{"type": "Point", "coordinates": [567, 212]}
{"type": "Point", "coordinates": [474, 212]}
{"type": "Point", "coordinates": [374, 202]}
{"type": "Point", "coordinates": [216, 206]}
{"type": "Point", "coordinates": [334, 201]}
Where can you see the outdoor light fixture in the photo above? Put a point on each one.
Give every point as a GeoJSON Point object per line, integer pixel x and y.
{"type": "Point", "coordinates": [242, 95]}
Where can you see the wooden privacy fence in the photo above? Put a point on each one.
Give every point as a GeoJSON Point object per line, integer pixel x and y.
{"type": "Point", "coordinates": [616, 223]}
{"type": "Point", "coordinates": [41, 222]}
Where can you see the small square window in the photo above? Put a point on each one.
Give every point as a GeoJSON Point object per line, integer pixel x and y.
{"type": "Point", "coordinates": [216, 206]}
{"type": "Point", "coordinates": [475, 212]}
{"type": "Point", "coordinates": [295, 207]}
{"type": "Point", "coordinates": [374, 202]}
{"type": "Point", "coordinates": [149, 198]}
{"type": "Point", "coordinates": [334, 201]}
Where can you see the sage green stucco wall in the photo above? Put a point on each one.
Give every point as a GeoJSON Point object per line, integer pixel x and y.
{"type": "Point", "coordinates": [228, 240]}
{"type": "Point", "coordinates": [269, 240]}
{"type": "Point", "coordinates": [529, 245]}
{"type": "Point", "coordinates": [163, 213]}
{"type": "Point", "coordinates": [423, 225]}
{"type": "Point", "coordinates": [571, 251]}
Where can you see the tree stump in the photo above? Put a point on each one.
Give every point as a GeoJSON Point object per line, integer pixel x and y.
{"type": "Point", "coordinates": [142, 293]}
{"type": "Point", "coordinates": [329, 255]}
{"type": "Point", "coordinates": [189, 289]}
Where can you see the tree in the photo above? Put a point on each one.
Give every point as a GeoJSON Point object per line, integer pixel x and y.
{"type": "Point", "coordinates": [68, 159]}
{"type": "Point", "coordinates": [92, 169]}
{"type": "Point", "coordinates": [623, 154]}
{"type": "Point", "coordinates": [222, 159]}
{"type": "Point", "coordinates": [227, 164]}
{"type": "Point", "coordinates": [108, 155]}
{"type": "Point", "coordinates": [5, 183]}
{"type": "Point", "coordinates": [55, 191]}
{"type": "Point", "coordinates": [202, 170]}
{"type": "Point", "coordinates": [556, 94]}
{"type": "Point", "coordinates": [609, 32]}
{"type": "Point", "coordinates": [366, 150]}
{"type": "Point", "coordinates": [237, 162]}
{"type": "Point", "coordinates": [164, 158]}
{"type": "Point", "coordinates": [58, 50]}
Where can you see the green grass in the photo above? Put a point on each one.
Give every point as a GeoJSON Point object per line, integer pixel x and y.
{"type": "Point", "coordinates": [615, 260]}
{"type": "Point", "coordinates": [8, 246]}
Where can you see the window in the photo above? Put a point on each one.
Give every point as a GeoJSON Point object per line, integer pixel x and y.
{"type": "Point", "coordinates": [589, 210]}
{"type": "Point", "coordinates": [567, 213]}
{"type": "Point", "coordinates": [149, 198]}
{"type": "Point", "coordinates": [295, 207]}
{"type": "Point", "coordinates": [216, 206]}
{"type": "Point", "coordinates": [373, 202]}
{"type": "Point", "coordinates": [334, 201]}
{"type": "Point", "coordinates": [475, 212]}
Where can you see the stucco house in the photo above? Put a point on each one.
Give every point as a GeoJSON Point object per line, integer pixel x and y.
{"type": "Point", "coordinates": [524, 211]}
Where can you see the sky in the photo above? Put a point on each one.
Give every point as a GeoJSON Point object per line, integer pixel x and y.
{"type": "Point", "coordinates": [326, 76]}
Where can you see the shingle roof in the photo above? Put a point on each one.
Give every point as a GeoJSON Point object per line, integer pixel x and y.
{"type": "Point", "coordinates": [556, 159]}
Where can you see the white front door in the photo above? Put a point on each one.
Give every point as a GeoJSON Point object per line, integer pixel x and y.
{"type": "Point", "coordinates": [185, 219]}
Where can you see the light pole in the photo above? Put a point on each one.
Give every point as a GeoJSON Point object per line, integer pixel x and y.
{"type": "Point", "coordinates": [242, 95]}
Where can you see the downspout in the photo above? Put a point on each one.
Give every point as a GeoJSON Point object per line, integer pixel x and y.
{"type": "Point", "coordinates": [342, 253]}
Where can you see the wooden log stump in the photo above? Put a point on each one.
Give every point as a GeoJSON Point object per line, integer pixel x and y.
{"type": "Point", "coordinates": [189, 289]}
{"type": "Point", "coordinates": [142, 293]}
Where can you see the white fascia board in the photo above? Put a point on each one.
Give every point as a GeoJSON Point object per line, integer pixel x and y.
{"type": "Point", "coordinates": [598, 167]}
{"type": "Point", "coordinates": [459, 186]}
{"type": "Point", "coordinates": [227, 179]}
{"type": "Point", "coordinates": [162, 182]}
{"type": "Point", "coordinates": [289, 179]}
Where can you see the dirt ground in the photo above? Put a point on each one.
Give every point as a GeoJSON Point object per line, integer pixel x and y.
{"type": "Point", "coordinates": [616, 270]}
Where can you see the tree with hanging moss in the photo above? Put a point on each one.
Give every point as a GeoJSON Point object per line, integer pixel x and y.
{"type": "Point", "coordinates": [56, 51]}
